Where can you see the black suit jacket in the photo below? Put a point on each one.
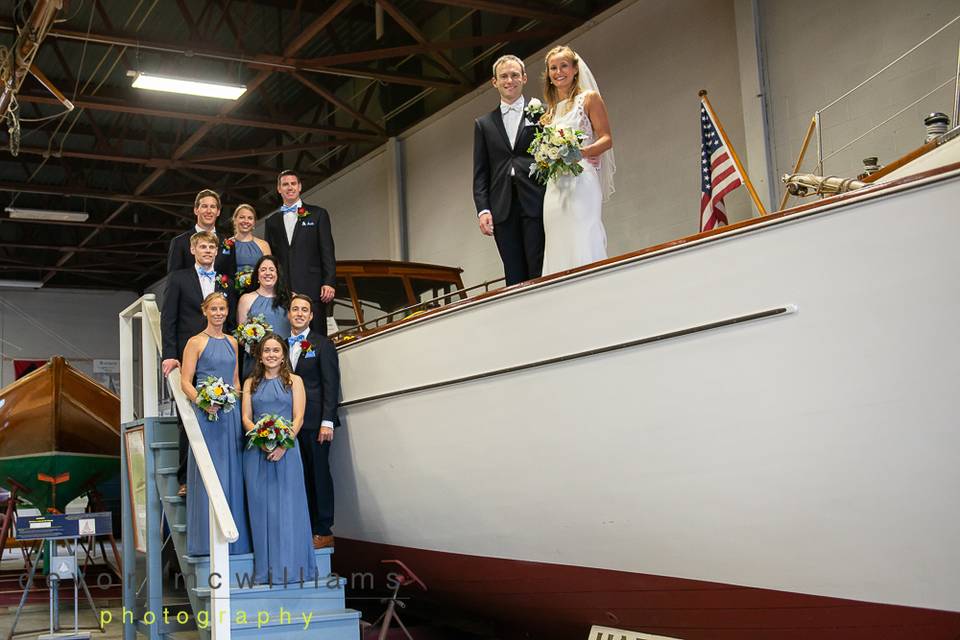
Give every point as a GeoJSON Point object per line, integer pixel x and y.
{"type": "Point", "coordinates": [179, 256]}
{"type": "Point", "coordinates": [493, 157]}
{"type": "Point", "coordinates": [309, 261]}
{"type": "Point", "coordinates": [321, 380]}
{"type": "Point", "coordinates": [181, 317]}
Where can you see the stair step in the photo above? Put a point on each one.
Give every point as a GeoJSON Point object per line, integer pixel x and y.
{"type": "Point", "coordinates": [179, 528]}
{"type": "Point", "coordinates": [174, 499]}
{"type": "Point", "coordinates": [167, 471]}
{"type": "Point", "coordinates": [164, 445]}
{"type": "Point", "coordinates": [242, 563]}
{"type": "Point", "coordinates": [341, 624]}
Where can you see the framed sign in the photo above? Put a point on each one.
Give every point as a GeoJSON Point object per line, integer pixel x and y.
{"type": "Point", "coordinates": [137, 481]}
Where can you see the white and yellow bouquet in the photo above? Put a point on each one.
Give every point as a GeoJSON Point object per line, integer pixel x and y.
{"type": "Point", "coordinates": [252, 332]}
{"type": "Point", "coordinates": [215, 392]}
{"type": "Point", "coordinates": [556, 152]}
{"type": "Point", "coordinates": [271, 431]}
{"type": "Point", "coordinates": [243, 279]}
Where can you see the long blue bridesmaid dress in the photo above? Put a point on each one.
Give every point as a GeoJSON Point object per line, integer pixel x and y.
{"type": "Point", "coordinates": [224, 438]}
{"type": "Point", "coordinates": [277, 498]}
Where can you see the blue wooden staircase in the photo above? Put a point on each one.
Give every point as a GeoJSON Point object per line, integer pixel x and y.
{"type": "Point", "coordinates": [313, 609]}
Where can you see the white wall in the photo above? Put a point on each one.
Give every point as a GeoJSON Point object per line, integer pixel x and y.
{"type": "Point", "coordinates": [818, 52]}
{"type": "Point", "coordinates": [650, 58]}
{"type": "Point", "coordinates": [357, 201]}
{"type": "Point", "coordinates": [79, 325]}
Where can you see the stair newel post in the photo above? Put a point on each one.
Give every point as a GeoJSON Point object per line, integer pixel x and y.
{"type": "Point", "coordinates": [127, 415]}
{"type": "Point", "coordinates": [219, 581]}
{"type": "Point", "coordinates": [150, 380]}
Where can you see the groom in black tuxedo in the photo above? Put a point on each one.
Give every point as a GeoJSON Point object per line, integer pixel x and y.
{"type": "Point", "coordinates": [509, 202]}
{"type": "Point", "coordinates": [300, 237]}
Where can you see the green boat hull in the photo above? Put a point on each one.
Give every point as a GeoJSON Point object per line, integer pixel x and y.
{"type": "Point", "coordinates": [84, 470]}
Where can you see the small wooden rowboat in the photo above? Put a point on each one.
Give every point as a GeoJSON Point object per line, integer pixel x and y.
{"type": "Point", "coordinates": [59, 435]}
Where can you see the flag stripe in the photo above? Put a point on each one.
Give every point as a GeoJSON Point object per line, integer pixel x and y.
{"type": "Point", "coordinates": [719, 175]}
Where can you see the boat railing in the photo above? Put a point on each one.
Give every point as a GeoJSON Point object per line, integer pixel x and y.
{"type": "Point", "coordinates": [411, 311]}
{"type": "Point", "coordinates": [816, 126]}
{"type": "Point", "coordinates": [225, 529]}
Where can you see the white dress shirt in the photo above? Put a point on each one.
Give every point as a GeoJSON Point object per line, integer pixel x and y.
{"type": "Point", "coordinates": [295, 349]}
{"type": "Point", "coordinates": [199, 229]}
{"type": "Point", "coordinates": [295, 358]}
{"type": "Point", "coordinates": [290, 221]}
{"type": "Point", "coordinates": [512, 114]}
{"type": "Point", "coordinates": [206, 284]}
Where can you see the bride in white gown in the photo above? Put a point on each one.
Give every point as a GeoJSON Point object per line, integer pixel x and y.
{"type": "Point", "coordinates": [571, 206]}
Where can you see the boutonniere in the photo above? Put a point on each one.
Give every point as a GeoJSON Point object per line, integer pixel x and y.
{"type": "Point", "coordinates": [302, 213]}
{"type": "Point", "coordinates": [306, 349]}
{"type": "Point", "coordinates": [228, 244]}
{"type": "Point", "coordinates": [224, 281]}
{"type": "Point", "coordinates": [534, 110]}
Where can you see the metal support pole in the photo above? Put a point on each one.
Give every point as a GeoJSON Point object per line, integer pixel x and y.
{"type": "Point", "coordinates": [819, 123]}
{"type": "Point", "coordinates": [956, 95]}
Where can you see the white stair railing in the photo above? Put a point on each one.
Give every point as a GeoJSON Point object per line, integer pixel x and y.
{"type": "Point", "coordinates": [223, 529]}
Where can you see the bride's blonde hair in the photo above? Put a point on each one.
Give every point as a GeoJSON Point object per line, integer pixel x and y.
{"type": "Point", "coordinates": [550, 93]}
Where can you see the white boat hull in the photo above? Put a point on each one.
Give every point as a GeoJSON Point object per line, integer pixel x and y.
{"type": "Point", "coordinates": [810, 452]}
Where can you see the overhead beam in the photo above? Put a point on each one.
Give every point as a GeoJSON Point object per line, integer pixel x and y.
{"type": "Point", "coordinates": [267, 62]}
{"type": "Point", "coordinates": [60, 269]}
{"type": "Point", "coordinates": [411, 28]}
{"type": "Point", "coordinates": [431, 46]}
{"type": "Point", "coordinates": [155, 163]}
{"type": "Point", "coordinates": [544, 14]}
{"type": "Point", "coordinates": [264, 151]}
{"type": "Point", "coordinates": [84, 102]}
{"type": "Point", "coordinates": [53, 247]}
{"type": "Point", "coordinates": [335, 100]}
{"type": "Point", "coordinates": [95, 225]}
{"type": "Point", "coordinates": [67, 190]}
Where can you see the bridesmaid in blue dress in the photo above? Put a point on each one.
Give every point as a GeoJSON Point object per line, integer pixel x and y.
{"type": "Point", "coordinates": [276, 495]}
{"type": "Point", "coordinates": [213, 353]}
{"type": "Point", "coordinates": [247, 248]}
{"type": "Point", "coordinates": [270, 297]}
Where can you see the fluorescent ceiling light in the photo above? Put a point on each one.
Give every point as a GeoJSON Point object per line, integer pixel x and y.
{"type": "Point", "coordinates": [153, 82]}
{"type": "Point", "coordinates": [20, 284]}
{"type": "Point", "coordinates": [46, 214]}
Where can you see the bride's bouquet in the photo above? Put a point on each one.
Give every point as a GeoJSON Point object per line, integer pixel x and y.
{"type": "Point", "coordinates": [215, 392]}
{"type": "Point", "coordinates": [252, 332]}
{"type": "Point", "coordinates": [271, 431]}
{"type": "Point", "coordinates": [556, 152]}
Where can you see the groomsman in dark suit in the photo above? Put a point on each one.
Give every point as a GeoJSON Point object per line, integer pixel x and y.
{"type": "Point", "coordinates": [181, 317]}
{"type": "Point", "coordinates": [509, 202]}
{"type": "Point", "coordinates": [206, 206]}
{"type": "Point", "coordinates": [314, 358]}
{"type": "Point", "coordinates": [300, 237]}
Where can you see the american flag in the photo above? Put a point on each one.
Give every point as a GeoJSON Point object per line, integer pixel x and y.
{"type": "Point", "coordinates": [718, 173]}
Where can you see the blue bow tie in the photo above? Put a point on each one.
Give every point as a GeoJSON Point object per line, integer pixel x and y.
{"type": "Point", "coordinates": [206, 274]}
{"type": "Point", "coordinates": [289, 208]}
{"type": "Point", "coordinates": [292, 340]}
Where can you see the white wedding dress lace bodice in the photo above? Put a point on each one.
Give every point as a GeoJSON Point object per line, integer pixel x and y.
{"type": "Point", "coordinates": [572, 204]}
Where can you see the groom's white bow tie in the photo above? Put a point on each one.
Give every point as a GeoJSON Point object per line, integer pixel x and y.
{"type": "Point", "coordinates": [507, 108]}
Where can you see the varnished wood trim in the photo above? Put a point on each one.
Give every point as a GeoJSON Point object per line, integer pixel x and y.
{"type": "Point", "coordinates": [829, 205]}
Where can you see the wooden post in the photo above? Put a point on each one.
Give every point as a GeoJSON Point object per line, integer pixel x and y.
{"type": "Point", "coordinates": [803, 152]}
{"type": "Point", "coordinates": [733, 154]}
